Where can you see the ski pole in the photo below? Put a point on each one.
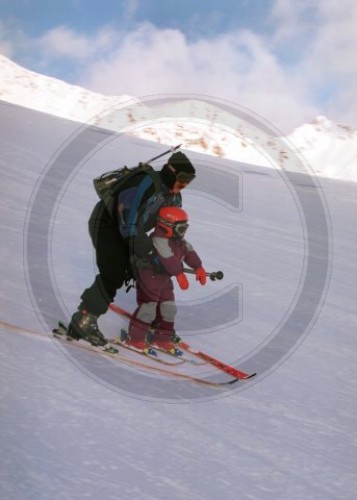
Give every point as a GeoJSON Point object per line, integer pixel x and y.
{"type": "Point", "coordinates": [214, 275]}
{"type": "Point", "coordinates": [173, 148]}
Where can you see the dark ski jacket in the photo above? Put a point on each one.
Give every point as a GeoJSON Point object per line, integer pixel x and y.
{"type": "Point", "coordinates": [136, 211]}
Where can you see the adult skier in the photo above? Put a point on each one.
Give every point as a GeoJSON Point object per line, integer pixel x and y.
{"type": "Point", "coordinates": [121, 234]}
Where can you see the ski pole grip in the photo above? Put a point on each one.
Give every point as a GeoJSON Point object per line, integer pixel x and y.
{"type": "Point", "coordinates": [214, 275]}
{"type": "Point", "coordinates": [218, 275]}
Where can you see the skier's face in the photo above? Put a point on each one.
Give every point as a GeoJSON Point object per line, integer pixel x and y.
{"type": "Point", "coordinates": [178, 186]}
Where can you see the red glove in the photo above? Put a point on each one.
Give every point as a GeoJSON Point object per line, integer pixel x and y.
{"type": "Point", "coordinates": [201, 275]}
{"type": "Point", "coordinates": [182, 281]}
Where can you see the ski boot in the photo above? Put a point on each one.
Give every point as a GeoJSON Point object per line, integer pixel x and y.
{"type": "Point", "coordinates": [137, 336]}
{"type": "Point", "coordinates": [84, 326]}
{"type": "Point", "coordinates": [163, 340]}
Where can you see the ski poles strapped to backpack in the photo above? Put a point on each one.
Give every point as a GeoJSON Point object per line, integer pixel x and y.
{"type": "Point", "coordinates": [107, 185]}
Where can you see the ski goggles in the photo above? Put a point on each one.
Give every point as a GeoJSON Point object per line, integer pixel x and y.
{"type": "Point", "coordinates": [180, 228]}
{"type": "Point", "coordinates": [177, 229]}
{"type": "Point", "coordinates": [182, 177]}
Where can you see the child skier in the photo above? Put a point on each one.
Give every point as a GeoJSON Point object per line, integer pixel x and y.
{"type": "Point", "coordinates": [155, 291]}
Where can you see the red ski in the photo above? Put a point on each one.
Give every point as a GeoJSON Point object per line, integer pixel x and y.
{"type": "Point", "coordinates": [220, 365]}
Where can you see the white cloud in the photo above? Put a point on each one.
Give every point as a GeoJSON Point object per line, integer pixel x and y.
{"type": "Point", "coordinates": [324, 29]}
{"type": "Point", "coordinates": [335, 47]}
{"type": "Point", "coordinates": [304, 67]}
{"type": "Point", "coordinates": [130, 8]}
{"type": "Point", "coordinates": [65, 42]}
{"type": "Point", "coordinates": [11, 38]}
{"type": "Point", "coordinates": [291, 19]}
{"type": "Point", "coordinates": [237, 66]}
{"type": "Point", "coordinates": [331, 61]}
{"type": "Point", "coordinates": [6, 48]}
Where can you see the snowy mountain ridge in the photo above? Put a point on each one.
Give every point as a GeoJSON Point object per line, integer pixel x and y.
{"type": "Point", "coordinates": [329, 148]}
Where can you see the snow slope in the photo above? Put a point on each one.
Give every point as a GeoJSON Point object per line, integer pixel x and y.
{"type": "Point", "coordinates": [72, 428]}
{"type": "Point", "coordinates": [330, 149]}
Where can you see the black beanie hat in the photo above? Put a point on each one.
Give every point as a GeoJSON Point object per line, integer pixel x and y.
{"type": "Point", "coordinates": [180, 163]}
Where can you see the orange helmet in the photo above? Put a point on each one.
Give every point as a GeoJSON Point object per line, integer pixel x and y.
{"type": "Point", "coordinates": [172, 221]}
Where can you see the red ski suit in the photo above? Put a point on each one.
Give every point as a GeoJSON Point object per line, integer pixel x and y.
{"type": "Point", "coordinates": [155, 289]}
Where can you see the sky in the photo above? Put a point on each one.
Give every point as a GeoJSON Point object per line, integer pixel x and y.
{"type": "Point", "coordinates": [287, 61]}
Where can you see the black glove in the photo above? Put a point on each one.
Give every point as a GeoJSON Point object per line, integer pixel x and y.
{"type": "Point", "coordinates": [142, 245]}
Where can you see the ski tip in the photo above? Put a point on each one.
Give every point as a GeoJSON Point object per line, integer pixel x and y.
{"type": "Point", "coordinates": [242, 378]}
{"type": "Point", "coordinates": [233, 381]}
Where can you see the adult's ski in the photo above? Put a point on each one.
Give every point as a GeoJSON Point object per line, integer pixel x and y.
{"type": "Point", "coordinates": [59, 333]}
{"type": "Point", "coordinates": [220, 365]}
{"type": "Point", "coordinates": [154, 368]}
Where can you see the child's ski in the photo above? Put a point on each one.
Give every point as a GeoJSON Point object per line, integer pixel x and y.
{"type": "Point", "coordinates": [153, 350]}
{"type": "Point", "coordinates": [220, 365]}
{"type": "Point", "coordinates": [216, 362]}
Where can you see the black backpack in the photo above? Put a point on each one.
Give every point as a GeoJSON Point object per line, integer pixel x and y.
{"type": "Point", "coordinates": [109, 184]}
